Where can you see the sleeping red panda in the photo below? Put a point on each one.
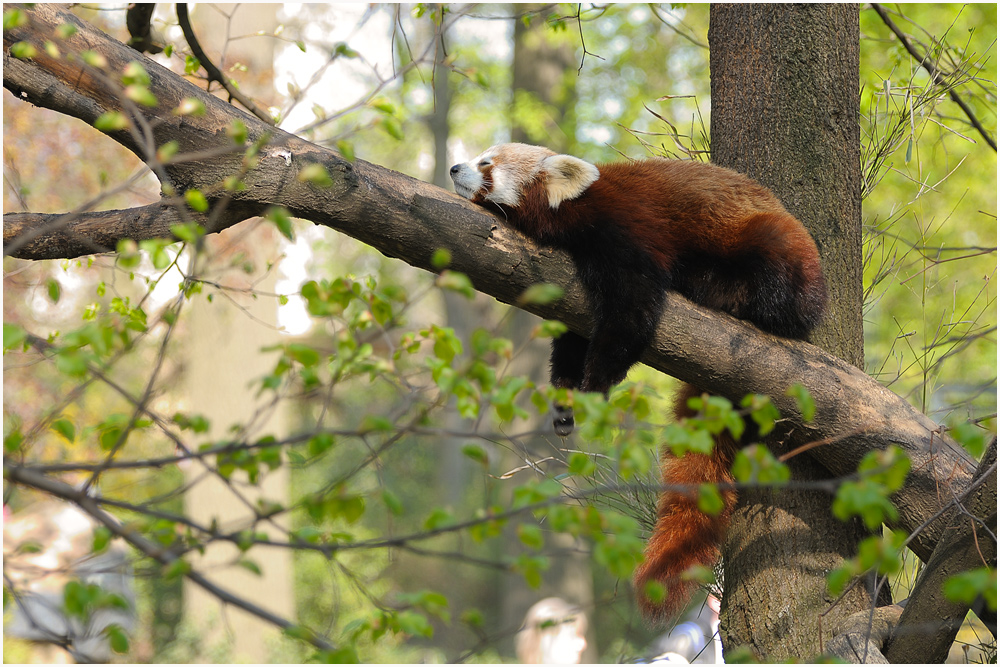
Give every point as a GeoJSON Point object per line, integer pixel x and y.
{"type": "Point", "coordinates": [634, 230]}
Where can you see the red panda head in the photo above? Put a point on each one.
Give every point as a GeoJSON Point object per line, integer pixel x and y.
{"type": "Point", "coordinates": [501, 173]}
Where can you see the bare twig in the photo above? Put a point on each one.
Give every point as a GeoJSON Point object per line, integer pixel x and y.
{"type": "Point", "coordinates": [936, 74]}
{"type": "Point", "coordinates": [214, 73]}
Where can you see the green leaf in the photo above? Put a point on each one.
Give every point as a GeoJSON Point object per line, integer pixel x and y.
{"type": "Point", "coordinates": [237, 132]}
{"type": "Point", "coordinates": [94, 59]}
{"type": "Point", "coordinates": [581, 463]}
{"type": "Point", "coordinates": [439, 518]}
{"type": "Point", "coordinates": [13, 336]}
{"type": "Point", "coordinates": [392, 502]}
{"type": "Point", "coordinates": [965, 587]}
{"type": "Point", "coordinates": [541, 294]}
{"type": "Point", "coordinates": [64, 30]}
{"type": "Point", "coordinates": [393, 127]}
{"type": "Point", "coordinates": [14, 18]}
{"type": "Point", "coordinates": [176, 569]}
{"type": "Point", "coordinates": [189, 233]}
{"type": "Point", "coordinates": [140, 94]}
{"type": "Point", "coordinates": [315, 174]}
{"type": "Point", "coordinates": [549, 329]}
{"type": "Point", "coordinates": [111, 121]}
{"type": "Point", "coordinates": [250, 566]}
{"type": "Point", "coordinates": [441, 258]}
{"type": "Point", "coordinates": [456, 282]}
{"type": "Point", "coordinates": [804, 400]}
{"type": "Point", "coordinates": [320, 443]}
{"type": "Point", "coordinates": [196, 200]}
{"type": "Point", "coordinates": [342, 49]}
{"type": "Point", "coordinates": [282, 219]}
{"type": "Point", "coordinates": [191, 65]}
{"type": "Point", "coordinates": [117, 638]}
{"type": "Point", "coordinates": [23, 50]}
{"type": "Point", "coordinates": [414, 624]}
{"type": "Point", "coordinates": [710, 499]}
{"type": "Point", "coordinates": [135, 74]}
{"type": "Point", "coordinates": [190, 106]}
{"type": "Point", "coordinates": [346, 149]}
{"type": "Point", "coordinates": [477, 454]}
{"type": "Point", "coordinates": [531, 535]}
{"type": "Point", "coordinates": [13, 440]}
{"type": "Point", "coordinates": [65, 428]}
{"type": "Point", "coordinates": [53, 289]}
{"type": "Point", "coordinates": [167, 151]}
{"type": "Point", "coordinates": [971, 436]}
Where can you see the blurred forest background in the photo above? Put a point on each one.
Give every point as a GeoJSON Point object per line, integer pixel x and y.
{"type": "Point", "coordinates": [368, 447]}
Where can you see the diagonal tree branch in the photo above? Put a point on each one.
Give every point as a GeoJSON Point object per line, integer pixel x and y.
{"type": "Point", "coordinates": [406, 218]}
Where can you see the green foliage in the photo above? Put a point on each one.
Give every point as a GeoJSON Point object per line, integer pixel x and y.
{"type": "Point", "coordinates": [424, 476]}
{"type": "Point", "coordinates": [965, 587]}
{"type": "Point", "coordinates": [881, 553]}
{"type": "Point", "coordinates": [881, 474]}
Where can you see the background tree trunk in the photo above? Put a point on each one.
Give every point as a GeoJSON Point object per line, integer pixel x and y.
{"type": "Point", "coordinates": [785, 106]}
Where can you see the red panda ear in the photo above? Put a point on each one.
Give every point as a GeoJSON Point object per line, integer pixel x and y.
{"type": "Point", "coordinates": [567, 177]}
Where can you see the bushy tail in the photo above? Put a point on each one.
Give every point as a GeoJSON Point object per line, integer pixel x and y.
{"type": "Point", "coordinates": [685, 536]}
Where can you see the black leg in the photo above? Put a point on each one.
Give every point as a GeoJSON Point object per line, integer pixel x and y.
{"type": "Point", "coordinates": [626, 314]}
{"type": "Point", "coordinates": [569, 353]}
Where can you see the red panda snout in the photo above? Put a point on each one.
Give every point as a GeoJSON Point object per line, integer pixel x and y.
{"type": "Point", "coordinates": [469, 182]}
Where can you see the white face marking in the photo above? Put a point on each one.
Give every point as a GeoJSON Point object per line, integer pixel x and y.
{"type": "Point", "coordinates": [501, 173]}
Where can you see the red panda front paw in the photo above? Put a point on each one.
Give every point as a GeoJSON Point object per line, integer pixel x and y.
{"type": "Point", "coordinates": [563, 421]}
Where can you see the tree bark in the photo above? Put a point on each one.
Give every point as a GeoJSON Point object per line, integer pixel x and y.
{"type": "Point", "coordinates": [930, 621]}
{"type": "Point", "coordinates": [406, 218]}
{"type": "Point", "coordinates": [785, 111]}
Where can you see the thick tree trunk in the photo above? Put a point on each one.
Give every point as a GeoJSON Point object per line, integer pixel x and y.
{"type": "Point", "coordinates": [785, 112]}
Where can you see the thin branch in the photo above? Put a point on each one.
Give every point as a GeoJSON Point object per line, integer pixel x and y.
{"type": "Point", "coordinates": [936, 75]}
{"type": "Point", "coordinates": [214, 73]}
{"type": "Point", "coordinates": [137, 20]}
{"type": "Point", "coordinates": [157, 552]}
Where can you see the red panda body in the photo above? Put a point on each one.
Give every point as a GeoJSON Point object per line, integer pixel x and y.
{"type": "Point", "coordinates": [634, 230]}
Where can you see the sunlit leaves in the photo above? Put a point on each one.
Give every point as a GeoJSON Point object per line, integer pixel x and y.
{"type": "Point", "coordinates": [14, 18]}
{"type": "Point", "coordinates": [23, 50]}
{"type": "Point", "coordinates": [14, 336]}
{"type": "Point", "coordinates": [111, 121]}
{"type": "Point", "coordinates": [882, 553]}
{"type": "Point", "coordinates": [196, 200]}
{"type": "Point", "coordinates": [541, 294]}
{"type": "Point", "coordinates": [965, 587]}
{"type": "Point", "coordinates": [454, 281]}
{"type": "Point", "coordinates": [81, 599]}
{"type": "Point", "coordinates": [190, 106]}
{"type": "Point", "coordinates": [757, 465]}
{"type": "Point", "coordinates": [282, 219]}
{"type": "Point", "coordinates": [315, 174]}
{"type": "Point", "coordinates": [881, 474]}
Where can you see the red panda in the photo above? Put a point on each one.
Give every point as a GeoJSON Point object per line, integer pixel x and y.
{"type": "Point", "coordinates": [635, 229]}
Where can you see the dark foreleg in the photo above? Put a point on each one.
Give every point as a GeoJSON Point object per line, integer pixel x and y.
{"type": "Point", "coordinates": [569, 353]}
{"type": "Point", "coordinates": [626, 313]}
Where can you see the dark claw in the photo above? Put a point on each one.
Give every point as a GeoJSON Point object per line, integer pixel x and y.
{"type": "Point", "coordinates": [563, 421]}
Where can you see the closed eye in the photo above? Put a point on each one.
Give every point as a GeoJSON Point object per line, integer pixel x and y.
{"type": "Point", "coordinates": [485, 163]}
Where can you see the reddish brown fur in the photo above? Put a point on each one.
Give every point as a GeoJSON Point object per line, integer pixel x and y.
{"type": "Point", "coordinates": [685, 536]}
{"type": "Point", "coordinates": [726, 242]}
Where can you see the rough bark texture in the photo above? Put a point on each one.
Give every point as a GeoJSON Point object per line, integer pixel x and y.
{"type": "Point", "coordinates": [785, 112]}
{"type": "Point", "coordinates": [930, 622]}
{"type": "Point", "coordinates": [409, 219]}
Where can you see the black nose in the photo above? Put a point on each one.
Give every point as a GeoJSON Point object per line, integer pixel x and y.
{"type": "Point", "coordinates": [455, 168]}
